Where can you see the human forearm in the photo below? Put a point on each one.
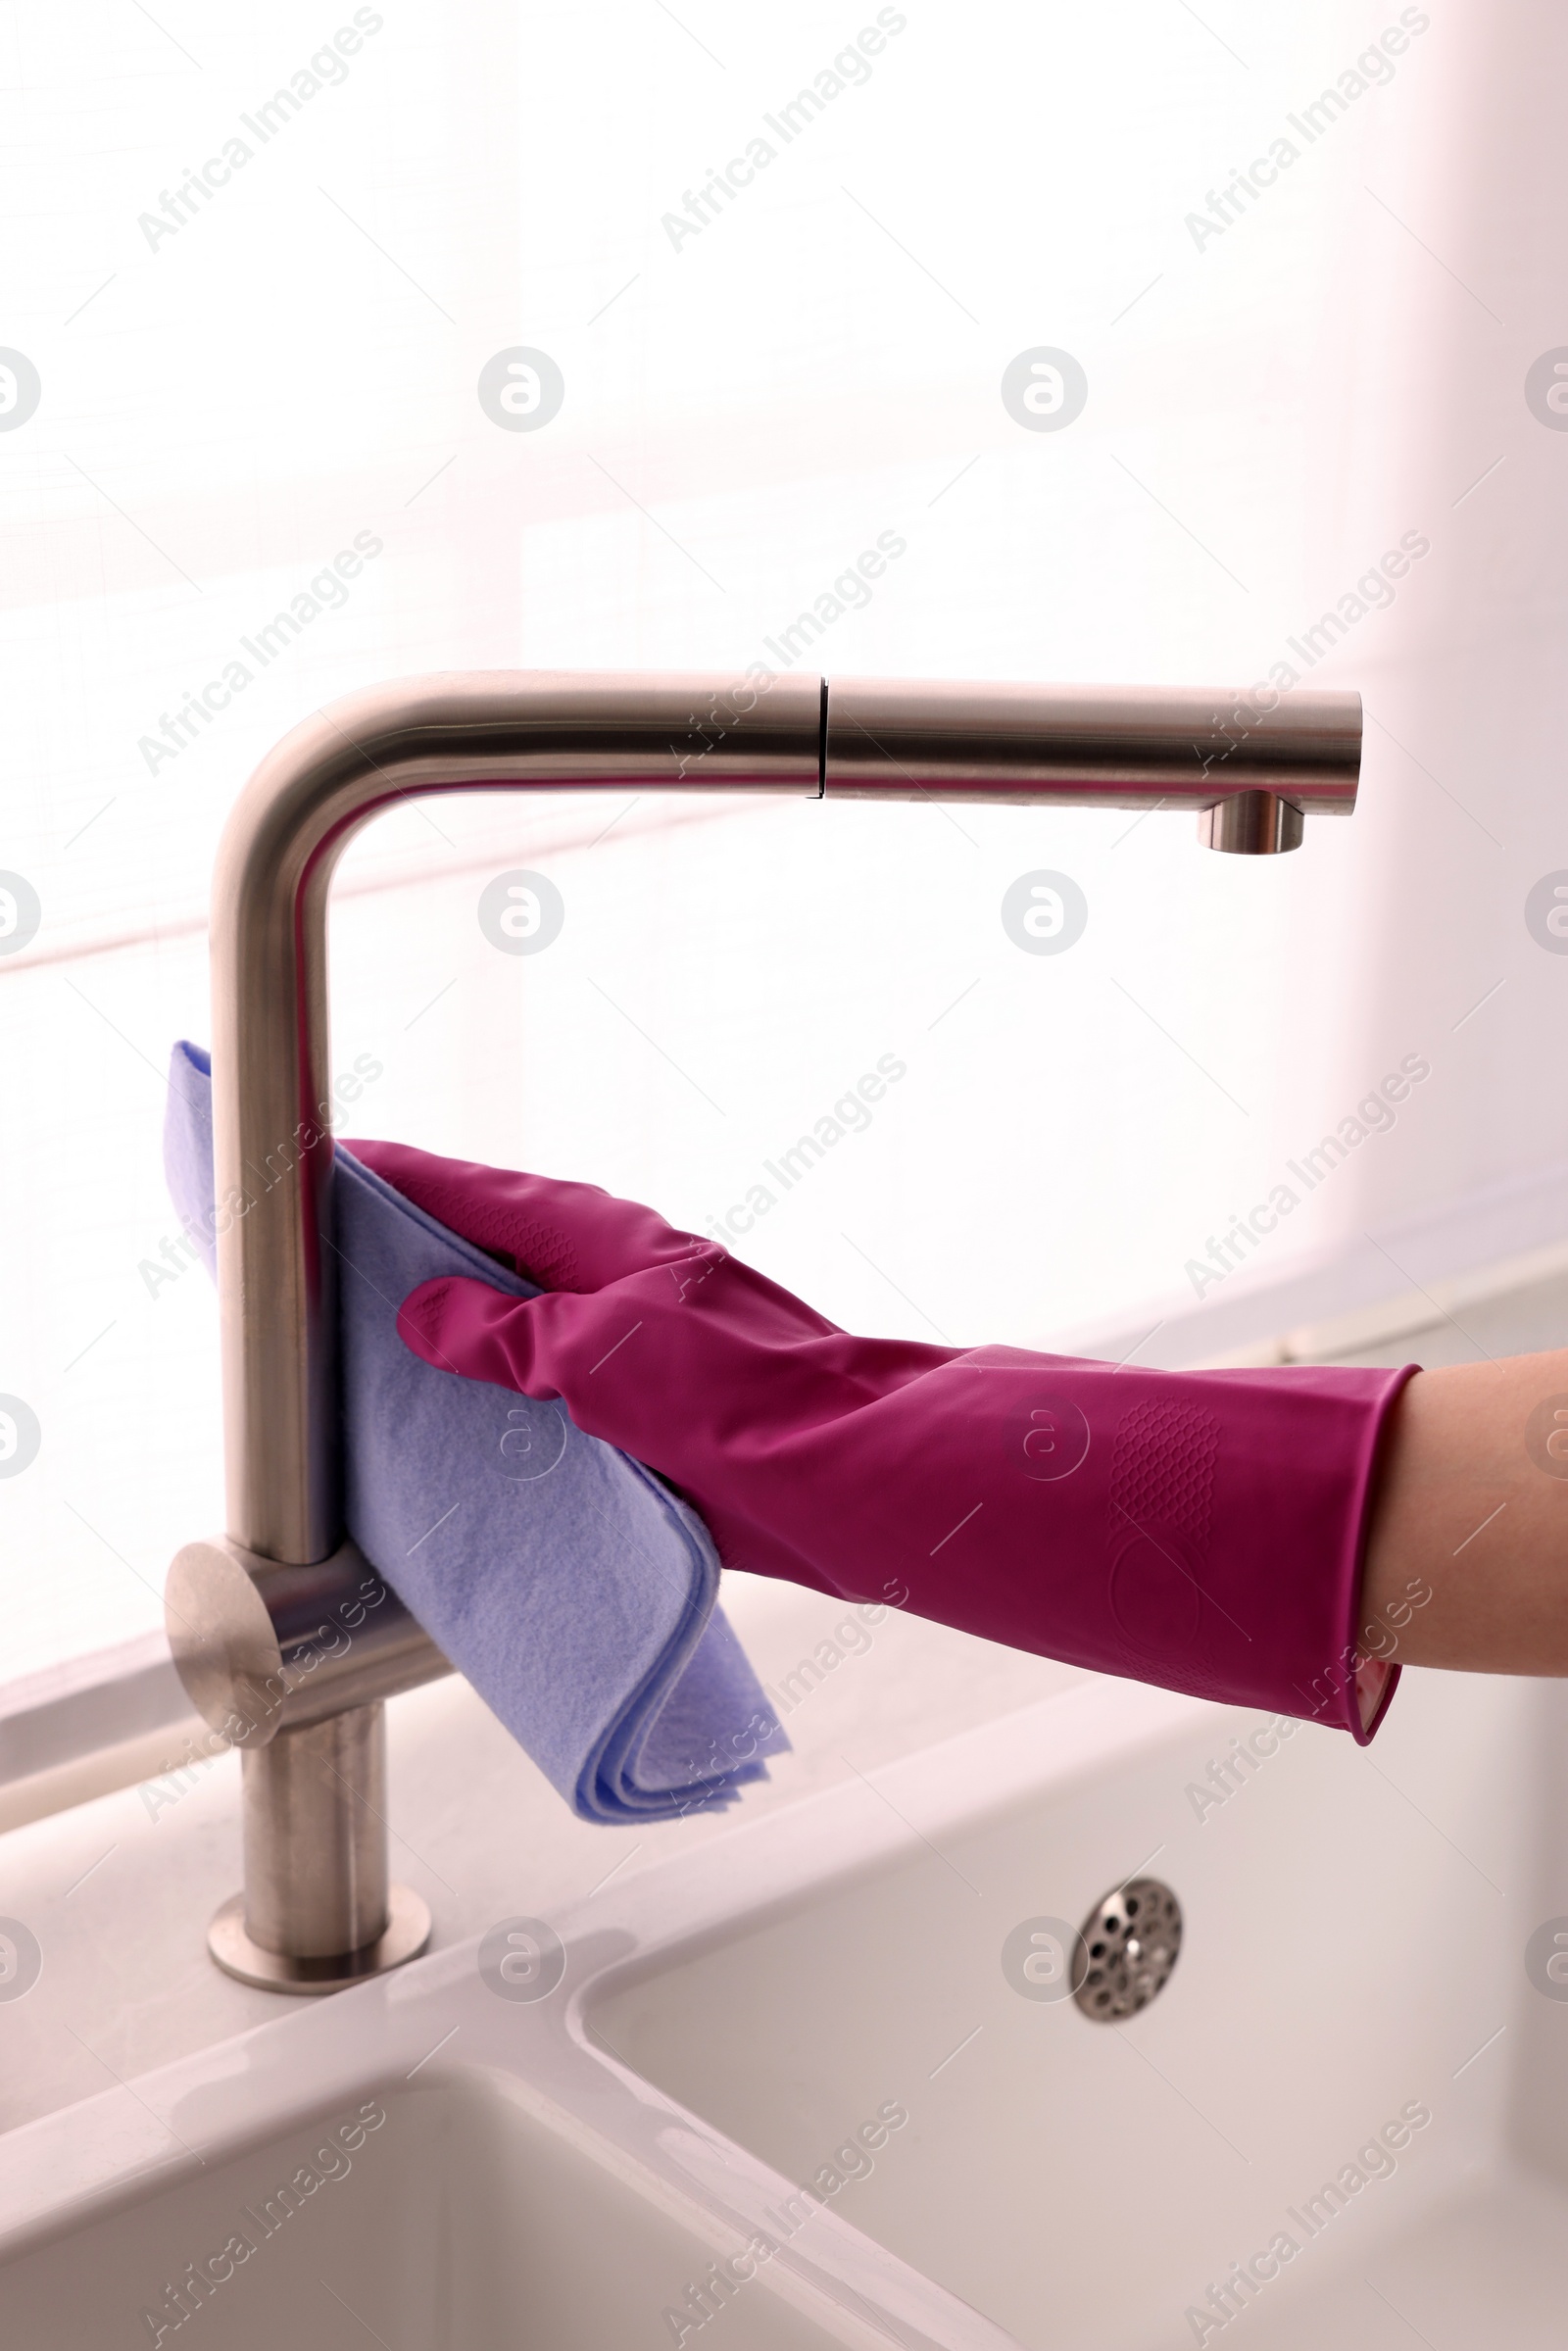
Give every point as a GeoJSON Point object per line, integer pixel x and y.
{"type": "Point", "coordinates": [1471, 1503]}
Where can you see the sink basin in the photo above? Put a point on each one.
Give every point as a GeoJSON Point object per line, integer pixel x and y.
{"type": "Point", "coordinates": [809, 2083]}
{"type": "Point", "coordinates": [1348, 2084]}
{"type": "Point", "coordinates": [451, 2217]}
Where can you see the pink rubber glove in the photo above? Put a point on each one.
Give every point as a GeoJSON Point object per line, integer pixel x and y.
{"type": "Point", "coordinates": [1201, 1530]}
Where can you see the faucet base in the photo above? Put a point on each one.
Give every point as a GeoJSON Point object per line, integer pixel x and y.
{"type": "Point", "coordinates": [408, 1931]}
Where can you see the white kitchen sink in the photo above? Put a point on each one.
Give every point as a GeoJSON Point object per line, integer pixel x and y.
{"type": "Point", "coordinates": [795, 2050]}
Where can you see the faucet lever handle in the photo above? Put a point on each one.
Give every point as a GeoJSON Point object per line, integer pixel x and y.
{"type": "Point", "coordinates": [263, 1647]}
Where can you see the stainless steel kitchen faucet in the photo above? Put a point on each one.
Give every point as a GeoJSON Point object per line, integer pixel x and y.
{"type": "Point", "coordinates": [286, 1639]}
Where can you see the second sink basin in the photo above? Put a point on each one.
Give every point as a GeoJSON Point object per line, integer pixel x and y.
{"type": "Point", "coordinates": [1342, 2111]}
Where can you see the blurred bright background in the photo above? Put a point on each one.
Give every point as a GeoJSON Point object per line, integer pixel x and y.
{"type": "Point", "coordinates": [227, 405]}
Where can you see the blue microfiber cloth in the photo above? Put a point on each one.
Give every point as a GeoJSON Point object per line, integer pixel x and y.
{"type": "Point", "coordinates": [574, 1590]}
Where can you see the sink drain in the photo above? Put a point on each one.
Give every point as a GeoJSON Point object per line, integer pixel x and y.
{"type": "Point", "coordinates": [1131, 1942]}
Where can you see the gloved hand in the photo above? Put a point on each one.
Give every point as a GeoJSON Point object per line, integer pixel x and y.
{"type": "Point", "coordinates": [1201, 1530]}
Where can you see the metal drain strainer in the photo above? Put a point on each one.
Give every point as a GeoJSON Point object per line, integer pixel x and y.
{"type": "Point", "coordinates": [1131, 1943]}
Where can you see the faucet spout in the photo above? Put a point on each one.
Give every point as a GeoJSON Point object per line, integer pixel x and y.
{"type": "Point", "coordinates": [1249, 774]}
{"type": "Point", "coordinates": [1252, 823]}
